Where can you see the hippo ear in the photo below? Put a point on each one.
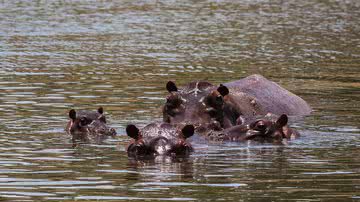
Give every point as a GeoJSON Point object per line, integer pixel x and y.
{"type": "Point", "coordinates": [132, 131]}
{"type": "Point", "coordinates": [100, 110]}
{"type": "Point", "coordinates": [188, 131]}
{"type": "Point", "coordinates": [223, 90]}
{"type": "Point", "coordinates": [72, 114]}
{"type": "Point", "coordinates": [282, 120]}
{"type": "Point", "coordinates": [171, 87]}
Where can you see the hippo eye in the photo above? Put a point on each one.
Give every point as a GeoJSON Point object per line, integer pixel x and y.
{"type": "Point", "coordinates": [173, 102]}
{"type": "Point", "coordinates": [102, 119]}
{"type": "Point", "coordinates": [212, 112]}
{"type": "Point", "coordinates": [219, 100]}
{"type": "Point", "coordinates": [260, 126]}
{"type": "Point", "coordinates": [84, 121]}
{"type": "Point", "coordinates": [141, 149]}
{"type": "Point", "coordinates": [215, 102]}
{"type": "Point", "coordinates": [136, 149]}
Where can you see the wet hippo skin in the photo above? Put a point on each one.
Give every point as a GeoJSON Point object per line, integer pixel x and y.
{"type": "Point", "coordinates": [87, 126]}
{"type": "Point", "coordinates": [268, 128]}
{"type": "Point", "coordinates": [216, 107]}
{"type": "Point", "coordinates": [159, 139]}
{"type": "Point", "coordinates": [259, 96]}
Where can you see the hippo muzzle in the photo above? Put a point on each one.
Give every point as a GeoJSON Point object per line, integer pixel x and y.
{"type": "Point", "coordinates": [159, 139]}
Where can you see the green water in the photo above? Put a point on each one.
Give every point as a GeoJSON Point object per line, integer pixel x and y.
{"type": "Point", "coordinates": [58, 55]}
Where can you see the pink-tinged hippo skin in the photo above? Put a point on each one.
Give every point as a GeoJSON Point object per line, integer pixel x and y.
{"type": "Point", "coordinates": [269, 128]}
{"type": "Point", "coordinates": [217, 107]}
{"type": "Point", "coordinates": [159, 139]}
{"type": "Point", "coordinates": [88, 126]}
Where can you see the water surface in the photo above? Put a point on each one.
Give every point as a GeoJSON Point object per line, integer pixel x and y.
{"type": "Point", "coordinates": [58, 55]}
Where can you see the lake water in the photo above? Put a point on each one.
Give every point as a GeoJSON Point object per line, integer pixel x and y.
{"type": "Point", "coordinates": [58, 55]}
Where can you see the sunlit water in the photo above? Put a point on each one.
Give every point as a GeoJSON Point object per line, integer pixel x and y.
{"type": "Point", "coordinates": [58, 55]}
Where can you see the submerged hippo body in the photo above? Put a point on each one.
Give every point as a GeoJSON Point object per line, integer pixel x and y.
{"type": "Point", "coordinates": [159, 139]}
{"type": "Point", "coordinates": [211, 107]}
{"type": "Point", "coordinates": [269, 128]}
{"type": "Point", "coordinates": [88, 126]}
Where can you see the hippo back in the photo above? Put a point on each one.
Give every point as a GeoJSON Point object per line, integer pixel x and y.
{"type": "Point", "coordinates": [269, 96]}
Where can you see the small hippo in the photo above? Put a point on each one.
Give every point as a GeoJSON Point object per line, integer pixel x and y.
{"type": "Point", "coordinates": [211, 107]}
{"type": "Point", "coordinates": [159, 139]}
{"type": "Point", "coordinates": [268, 128]}
{"type": "Point", "coordinates": [88, 125]}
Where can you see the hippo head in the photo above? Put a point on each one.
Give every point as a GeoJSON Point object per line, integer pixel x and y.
{"type": "Point", "coordinates": [269, 128]}
{"type": "Point", "coordinates": [159, 139]}
{"type": "Point", "coordinates": [88, 124]}
{"type": "Point", "coordinates": [199, 103]}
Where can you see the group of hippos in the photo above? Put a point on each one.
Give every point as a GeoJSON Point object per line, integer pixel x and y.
{"type": "Point", "coordinates": [252, 108]}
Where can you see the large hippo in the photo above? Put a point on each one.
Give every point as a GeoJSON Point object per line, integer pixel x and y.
{"type": "Point", "coordinates": [86, 126]}
{"type": "Point", "coordinates": [268, 128]}
{"type": "Point", "coordinates": [216, 107]}
{"type": "Point", "coordinates": [159, 139]}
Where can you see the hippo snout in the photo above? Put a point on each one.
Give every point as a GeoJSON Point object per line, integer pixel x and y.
{"type": "Point", "coordinates": [161, 145]}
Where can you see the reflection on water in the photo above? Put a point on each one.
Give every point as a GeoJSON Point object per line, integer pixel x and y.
{"type": "Point", "coordinates": [57, 55]}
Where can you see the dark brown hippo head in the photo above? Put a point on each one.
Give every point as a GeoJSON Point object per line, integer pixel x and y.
{"type": "Point", "coordinates": [199, 103]}
{"type": "Point", "coordinates": [86, 125]}
{"type": "Point", "coordinates": [266, 128]}
{"type": "Point", "coordinates": [269, 127]}
{"type": "Point", "coordinates": [159, 139]}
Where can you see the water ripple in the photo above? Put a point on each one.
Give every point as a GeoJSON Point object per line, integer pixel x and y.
{"type": "Point", "coordinates": [55, 56]}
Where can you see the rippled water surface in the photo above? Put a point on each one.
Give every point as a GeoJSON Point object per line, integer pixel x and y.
{"type": "Point", "coordinates": [58, 55]}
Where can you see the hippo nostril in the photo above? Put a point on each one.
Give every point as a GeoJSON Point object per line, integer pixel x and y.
{"type": "Point", "coordinates": [112, 132]}
{"type": "Point", "coordinates": [161, 145]}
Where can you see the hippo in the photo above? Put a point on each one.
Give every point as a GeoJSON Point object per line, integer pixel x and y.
{"type": "Point", "coordinates": [268, 128]}
{"type": "Point", "coordinates": [159, 139]}
{"type": "Point", "coordinates": [87, 125]}
{"type": "Point", "coordinates": [219, 107]}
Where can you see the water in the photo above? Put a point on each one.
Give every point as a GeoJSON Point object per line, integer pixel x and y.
{"type": "Point", "coordinates": [58, 55]}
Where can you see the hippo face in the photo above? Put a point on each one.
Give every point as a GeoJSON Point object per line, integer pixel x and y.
{"type": "Point", "coordinates": [159, 139]}
{"type": "Point", "coordinates": [87, 124]}
{"type": "Point", "coordinates": [270, 128]}
{"type": "Point", "coordinates": [266, 128]}
{"type": "Point", "coordinates": [199, 103]}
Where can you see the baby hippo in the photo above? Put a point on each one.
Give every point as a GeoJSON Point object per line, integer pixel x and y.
{"type": "Point", "coordinates": [267, 128]}
{"type": "Point", "coordinates": [159, 139]}
{"type": "Point", "coordinates": [86, 126]}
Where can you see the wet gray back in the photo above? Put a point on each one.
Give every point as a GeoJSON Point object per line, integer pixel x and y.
{"type": "Point", "coordinates": [269, 96]}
